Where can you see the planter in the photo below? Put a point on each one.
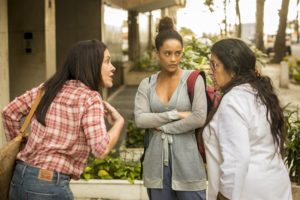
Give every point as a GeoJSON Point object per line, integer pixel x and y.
{"type": "Point", "coordinates": [295, 191]}
{"type": "Point", "coordinates": [108, 189]}
{"type": "Point", "coordinates": [131, 154]}
{"type": "Point", "coordinates": [122, 190]}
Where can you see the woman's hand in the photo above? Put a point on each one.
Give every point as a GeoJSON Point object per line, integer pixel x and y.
{"type": "Point", "coordinates": [111, 114]}
{"type": "Point", "coordinates": [117, 122]}
{"type": "Point", "coordinates": [183, 115]}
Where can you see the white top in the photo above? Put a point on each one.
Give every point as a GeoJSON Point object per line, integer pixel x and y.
{"type": "Point", "coordinates": [240, 151]}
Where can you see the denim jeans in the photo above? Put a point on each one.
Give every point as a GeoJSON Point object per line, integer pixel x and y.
{"type": "Point", "coordinates": [167, 193]}
{"type": "Point", "coordinates": [26, 185]}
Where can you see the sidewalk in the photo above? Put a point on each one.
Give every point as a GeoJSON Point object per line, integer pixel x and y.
{"type": "Point", "coordinates": [290, 95]}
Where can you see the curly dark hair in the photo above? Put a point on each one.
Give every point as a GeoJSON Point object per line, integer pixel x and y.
{"type": "Point", "coordinates": [238, 59]}
{"type": "Point", "coordinates": [166, 31]}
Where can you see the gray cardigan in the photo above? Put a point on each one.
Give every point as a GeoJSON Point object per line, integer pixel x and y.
{"type": "Point", "coordinates": [167, 130]}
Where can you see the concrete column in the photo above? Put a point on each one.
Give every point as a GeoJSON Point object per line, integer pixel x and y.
{"type": "Point", "coordinates": [50, 38]}
{"type": "Point", "coordinates": [150, 45]}
{"type": "Point", "coordinates": [104, 91]}
{"type": "Point", "coordinates": [4, 64]}
{"type": "Point", "coordinates": [164, 12]}
{"type": "Point", "coordinates": [170, 12]}
{"type": "Point", "coordinates": [284, 75]}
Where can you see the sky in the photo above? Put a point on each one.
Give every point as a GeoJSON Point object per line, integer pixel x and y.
{"type": "Point", "coordinates": [197, 17]}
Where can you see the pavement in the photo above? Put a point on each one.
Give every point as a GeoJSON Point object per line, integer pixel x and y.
{"type": "Point", "coordinates": [123, 101]}
{"type": "Point", "coordinates": [290, 95]}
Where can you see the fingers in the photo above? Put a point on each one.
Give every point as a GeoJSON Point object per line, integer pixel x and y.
{"type": "Point", "coordinates": [109, 107]}
{"type": "Point", "coordinates": [110, 111]}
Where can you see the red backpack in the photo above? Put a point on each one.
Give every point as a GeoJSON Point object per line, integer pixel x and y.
{"type": "Point", "coordinates": [212, 101]}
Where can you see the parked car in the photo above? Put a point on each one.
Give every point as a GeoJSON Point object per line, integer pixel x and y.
{"type": "Point", "coordinates": [269, 42]}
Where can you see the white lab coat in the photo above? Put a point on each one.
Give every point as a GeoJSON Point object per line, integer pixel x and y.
{"type": "Point", "coordinates": [241, 159]}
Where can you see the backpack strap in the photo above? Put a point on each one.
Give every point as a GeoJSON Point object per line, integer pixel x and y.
{"type": "Point", "coordinates": [190, 87]}
{"type": "Point", "coordinates": [191, 82]}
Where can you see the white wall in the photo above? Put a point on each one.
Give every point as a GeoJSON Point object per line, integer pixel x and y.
{"type": "Point", "coordinates": [26, 69]}
{"type": "Point", "coordinates": [75, 20]}
{"type": "Point", "coordinates": [50, 38]}
{"type": "Point", "coordinates": [4, 68]}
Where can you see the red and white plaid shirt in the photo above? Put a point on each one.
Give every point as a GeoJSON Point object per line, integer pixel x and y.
{"type": "Point", "coordinates": [74, 126]}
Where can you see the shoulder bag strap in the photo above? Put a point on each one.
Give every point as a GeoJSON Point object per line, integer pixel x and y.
{"type": "Point", "coordinates": [32, 110]}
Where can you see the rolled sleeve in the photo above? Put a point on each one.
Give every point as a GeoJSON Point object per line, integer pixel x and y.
{"type": "Point", "coordinates": [94, 127]}
{"type": "Point", "coordinates": [13, 113]}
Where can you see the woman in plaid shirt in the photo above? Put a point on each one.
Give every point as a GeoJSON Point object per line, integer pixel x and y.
{"type": "Point", "coordinates": [67, 126]}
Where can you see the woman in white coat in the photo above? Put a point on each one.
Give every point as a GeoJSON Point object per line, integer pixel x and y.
{"type": "Point", "coordinates": [244, 136]}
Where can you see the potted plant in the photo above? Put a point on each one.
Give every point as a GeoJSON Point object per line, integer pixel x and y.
{"type": "Point", "coordinates": [111, 178]}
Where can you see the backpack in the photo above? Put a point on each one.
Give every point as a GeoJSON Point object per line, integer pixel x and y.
{"type": "Point", "coordinates": [212, 101]}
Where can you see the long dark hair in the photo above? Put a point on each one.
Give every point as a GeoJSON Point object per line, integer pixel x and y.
{"type": "Point", "coordinates": [239, 59]}
{"type": "Point", "coordinates": [82, 63]}
{"type": "Point", "coordinates": [166, 31]}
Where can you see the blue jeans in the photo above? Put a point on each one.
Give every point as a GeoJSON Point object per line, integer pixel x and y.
{"type": "Point", "coordinates": [28, 184]}
{"type": "Point", "coordinates": [167, 193]}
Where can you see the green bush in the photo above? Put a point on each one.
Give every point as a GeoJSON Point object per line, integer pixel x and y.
{"type": "Point", "coordinates": [135, 136]}
{"type": "Point", "coordinates": [196, 54]}
{"type": "Point", "coordinates": [112, 167]}
{"type": "Point", "coordinates": [294, 70]}
{"type": "Point", "coordinates": [146, 63]}
{"type": "Point", "coordinates": [292, 143]}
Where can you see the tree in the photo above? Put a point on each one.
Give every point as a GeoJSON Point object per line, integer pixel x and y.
{"type": "Point", "coordinates": [225, 17]}
{"type": "Point", "coordinates": [279, 47]}
{"type": "Point", "coordinates": [210, 5]}
{"type": "Point", "coordinates": [238, 15]}
{"type": "Point", "coordinates": [186, 31]}
{"type": "Point", "coordinates": [259, 26]}
{"type": "Point", "coordinates": [297, 22]}
{"type": "Point", "coordinates": [133, 36]}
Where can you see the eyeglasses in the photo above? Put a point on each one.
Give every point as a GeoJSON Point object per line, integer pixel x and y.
{"type": "Point", "coordinates": [213, 65]}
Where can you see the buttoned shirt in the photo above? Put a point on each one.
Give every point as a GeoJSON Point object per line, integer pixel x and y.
{"type": "Point", "coordinates": [74, 127]}
{"type": "Point", "coordinates": [243, 161]}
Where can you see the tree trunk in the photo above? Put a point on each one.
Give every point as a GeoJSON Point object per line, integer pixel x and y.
{"type": "Point", "coordinates": [225, 17]}
{"type": "Point", "coordinates": [279, 47]}
{"type": "Point", "coordinates": [259, 26]}
{"type": "Point", "coordinates": [149, 48]}
{"type": "Point", "coordinates": [133, 36]}
{"type": "Point", "coordinates": [297, 23]}
{"type": "Point", "coordinates": [238, 14]}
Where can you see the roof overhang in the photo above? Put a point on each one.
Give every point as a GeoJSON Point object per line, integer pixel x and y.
{"type": "Point", "coordinates": [145, 5]}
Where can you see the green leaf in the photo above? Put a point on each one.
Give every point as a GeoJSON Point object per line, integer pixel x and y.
{"type": "Point", "coordinates": [86, 176]}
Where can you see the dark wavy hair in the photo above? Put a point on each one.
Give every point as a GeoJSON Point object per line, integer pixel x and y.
{"type": "Point", "coordinates": [82, 63]}
{"type": "Point", "coordinates": [239, 59]}
{"type": "Point", "coordinates": [166, 31]}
